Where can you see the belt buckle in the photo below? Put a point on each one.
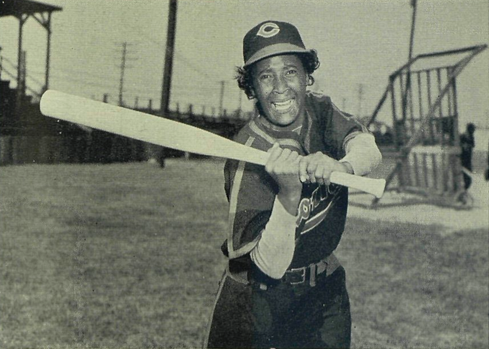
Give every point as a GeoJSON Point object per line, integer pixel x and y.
{"type": "Point", "coordinates": [303, 275]}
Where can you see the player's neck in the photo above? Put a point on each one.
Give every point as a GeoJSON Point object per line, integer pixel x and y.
{"type": "Point", "coordinates": [296, 126]}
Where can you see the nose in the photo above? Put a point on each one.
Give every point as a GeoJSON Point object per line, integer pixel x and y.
{"type": "Point", "coordinates": [280, 85]}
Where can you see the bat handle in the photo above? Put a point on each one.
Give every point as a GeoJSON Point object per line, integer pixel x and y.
{"type": "Point", "coordinates": [369, 185]}
{"type": "Point", "coordinates": [374, 186]}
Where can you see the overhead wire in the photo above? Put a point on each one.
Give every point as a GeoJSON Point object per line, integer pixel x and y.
{"type": "Point", "coordinates": [167, 50]}
{"type": "Point", "coordinates": [13, 76]}
{"type": "Point", "coordinates": [183, 89]}
{"type": "Point", "coordinates": [56, 74]}
{"type": "Point", "coordinates": [28, 76]}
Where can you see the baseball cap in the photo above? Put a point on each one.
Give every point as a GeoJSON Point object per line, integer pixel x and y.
{"type": "Point", "coordinates": [270, 38]}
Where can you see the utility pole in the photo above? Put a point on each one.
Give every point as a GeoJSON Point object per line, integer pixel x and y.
{"type": "Point", "coordinates": [407, 89]}
{"type": "Point", "coordinates": [221, 99]}
{"type": "Point", "coordinates": [413, 23]}
{"type": "Point", "coordinates": [170, 46]}
{"type": "Point", "coordinates": [123, 67]}
{"type": "Point", "coordinates": [360, 98]}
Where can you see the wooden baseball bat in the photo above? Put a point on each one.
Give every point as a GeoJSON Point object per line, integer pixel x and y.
{"type": "Point", "coordinates": [171, 134]}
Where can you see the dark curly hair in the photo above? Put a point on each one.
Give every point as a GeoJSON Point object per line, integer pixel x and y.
{"type": "Point", "coordinates": [244, 77]}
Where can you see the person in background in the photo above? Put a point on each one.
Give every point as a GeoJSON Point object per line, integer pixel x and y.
{"type": "Point", "coordinates": [467, 143]}
{"type": "Point", "coordinates": [283, 287]}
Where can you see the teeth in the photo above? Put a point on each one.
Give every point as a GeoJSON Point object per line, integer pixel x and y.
{"type": "Point", "coordinates": [282, 105]}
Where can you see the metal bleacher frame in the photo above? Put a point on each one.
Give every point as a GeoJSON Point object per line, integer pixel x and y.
{"type": "Point", "coordinates": [425, 125]}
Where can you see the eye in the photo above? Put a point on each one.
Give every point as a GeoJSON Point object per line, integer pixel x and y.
{"type": "Point", "coordinates": [291, 72]}
{"type": "Point", "coordinates": [264, 77]}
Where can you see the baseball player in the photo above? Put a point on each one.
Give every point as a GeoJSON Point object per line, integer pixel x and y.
{"type": "Point", "coordinates": [283, 287]}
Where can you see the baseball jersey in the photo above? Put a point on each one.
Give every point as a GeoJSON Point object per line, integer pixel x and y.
{"type": "Point", "coordinates": [251, 191]}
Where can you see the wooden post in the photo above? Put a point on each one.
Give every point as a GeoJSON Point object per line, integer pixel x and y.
{"type": "Point", "coordinates": [48, 51]}
{"type": "Point", "coordinates": [420, 105]}
{"type": "Point", "coordinates": [22, 20]}
{"type": "Point", "coordinates": [170, 44]}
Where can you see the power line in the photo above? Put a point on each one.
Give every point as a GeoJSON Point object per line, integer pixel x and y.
{"type": "Point", "coordinates": [30, 77]}
{"type": "Point", "coordinates": [61, 72]}
{"type": "Point", "coordinates": [14, 77]}
{"type": "Point", "coordinates": [10, 62]}
{"type": "Point", "coordinates": [183, 89]}
{"type": "Point", "coordinates": [186, 88]}
{"type": "Point", "coordinates": [85, 83]}
{"type": "Point", "coordinates": [175, 52]}
{"type": "Point", "coordinates": [35, 80]}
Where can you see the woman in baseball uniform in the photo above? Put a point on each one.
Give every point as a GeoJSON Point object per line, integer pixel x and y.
{"type": "Point", "coordinates": [283, 287]}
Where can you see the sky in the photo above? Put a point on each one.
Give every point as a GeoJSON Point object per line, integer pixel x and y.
{"type": "Point", "coordinates": [359, 43]}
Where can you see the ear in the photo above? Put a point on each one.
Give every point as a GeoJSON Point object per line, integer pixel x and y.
{"type": "Point", "coordinates": [252, 93]}
{"type": "Point", "coordinates": [310, 80]}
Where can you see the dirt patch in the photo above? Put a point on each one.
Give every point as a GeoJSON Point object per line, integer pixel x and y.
{"type": "Point", "coordinates": [404, 208]}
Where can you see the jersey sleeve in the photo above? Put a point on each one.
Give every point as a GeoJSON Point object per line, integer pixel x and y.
{"type": "Point", "coordinates": [339, 128]}
{"type": "Point", "coordinates": [362, 154]}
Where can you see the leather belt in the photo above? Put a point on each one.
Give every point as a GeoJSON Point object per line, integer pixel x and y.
{"type": "Point", "coordinates": [305, 275]}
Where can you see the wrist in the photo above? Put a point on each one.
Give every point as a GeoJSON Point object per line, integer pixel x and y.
{"type": "Point", "coordinates": [346, 167]}
{"type": "Point", "coordinates": [289, 200]}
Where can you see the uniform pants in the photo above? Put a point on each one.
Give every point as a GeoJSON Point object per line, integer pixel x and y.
{"type": "Point", "coordinates": [283, 316]}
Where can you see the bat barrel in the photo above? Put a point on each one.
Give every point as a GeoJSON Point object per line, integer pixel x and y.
{"type": "Point", "coordinates": [171, 134]}
{"type": "Point", "coordinates": [145, 127]}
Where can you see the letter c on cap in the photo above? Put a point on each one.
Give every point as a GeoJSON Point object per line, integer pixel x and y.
{"type": "Point", "coordinates": [268, 30]}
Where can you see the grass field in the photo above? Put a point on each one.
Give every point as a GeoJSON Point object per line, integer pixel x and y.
{"type": "Point", "coordinates": [127, 256]}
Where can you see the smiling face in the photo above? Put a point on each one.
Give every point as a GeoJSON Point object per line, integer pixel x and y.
{"type": "Point", "coordinates": [279, 83]}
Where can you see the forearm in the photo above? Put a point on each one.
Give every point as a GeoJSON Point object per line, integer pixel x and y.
{"type": "Point", "coordinates": [362, 154]}
{"type": "Point", "coordinates": [275, 250]}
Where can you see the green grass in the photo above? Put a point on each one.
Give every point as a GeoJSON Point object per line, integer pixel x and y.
{"type": "Point", "coordinates": [127, 256]}
{"type": "Point", "coordinates": [414, 288]}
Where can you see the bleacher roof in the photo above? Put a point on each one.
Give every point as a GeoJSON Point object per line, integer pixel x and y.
{"type": "Point", "coordinates": [18, 7]}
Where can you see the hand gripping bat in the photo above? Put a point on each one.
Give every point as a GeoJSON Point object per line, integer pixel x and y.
{"type": "Point", "coordinates": [171, 134]}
